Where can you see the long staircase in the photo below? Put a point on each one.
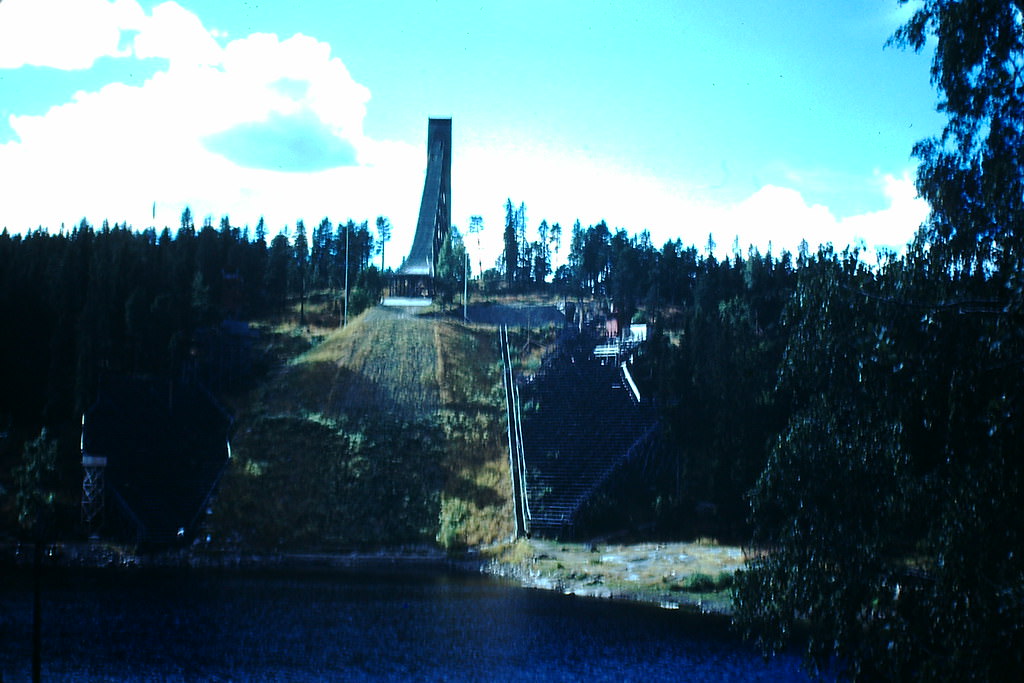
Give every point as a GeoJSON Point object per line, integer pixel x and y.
{"type": "Point", "coordinates": [581, 419]}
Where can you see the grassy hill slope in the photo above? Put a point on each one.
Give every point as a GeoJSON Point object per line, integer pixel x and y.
{"type": "Point", "coordinates": [389, 431]}
{"type": "Point", "coordinates": [384, 361]}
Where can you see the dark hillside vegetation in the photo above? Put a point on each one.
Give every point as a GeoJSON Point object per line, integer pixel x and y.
{"type": "Point", "coordinates": [893, 499]}
{"type": "Point", "coordinates": [307, 484]}
{"type": "Point", "coordinates": [86, 304]}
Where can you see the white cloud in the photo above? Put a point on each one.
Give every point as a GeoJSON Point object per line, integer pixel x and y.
{"type": "Point", "coordinates": [780, 217]}
{"type": "Point", "coordinates": [562, 188]}
{"type": "Point", "coordinates": [63, 34]}
{"type": "Point", "coordinates": [111, 153]}
{"type": "Point", "coordinates": [255, 64]}
{"type": "Point", "coordinates": [174, 33]}
{"type": "Point", "coordinates": [891, 228]}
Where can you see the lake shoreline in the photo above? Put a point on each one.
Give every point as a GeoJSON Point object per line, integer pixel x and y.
{"type": "Point", "coordinates": [101, 555]}
{"type": "Point", "coordinates": [648, 573]}
{"type": "Point", "coordinates": [659, 574]}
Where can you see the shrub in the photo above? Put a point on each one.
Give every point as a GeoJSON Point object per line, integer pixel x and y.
{"type": "Point", "coordinates": [450, 533]}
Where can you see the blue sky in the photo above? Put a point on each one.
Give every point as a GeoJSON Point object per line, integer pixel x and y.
{"type": "Point", "coordinates": [754, 121]}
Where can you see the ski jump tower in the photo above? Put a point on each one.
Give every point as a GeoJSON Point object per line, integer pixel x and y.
{"type": "Point", "coordinates": [416, 276]}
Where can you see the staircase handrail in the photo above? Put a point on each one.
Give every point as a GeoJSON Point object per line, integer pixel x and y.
{"type": "Point", "coordinates": [516, 456]}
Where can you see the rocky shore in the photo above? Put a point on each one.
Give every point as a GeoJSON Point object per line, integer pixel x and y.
{"type": "Point", "coordinates": [690, 576]}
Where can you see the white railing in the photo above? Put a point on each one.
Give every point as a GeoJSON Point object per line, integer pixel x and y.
{"type": "Point", "coordinates": [516, 453]}
{"type": "Point", "coordinates": [629, 382]}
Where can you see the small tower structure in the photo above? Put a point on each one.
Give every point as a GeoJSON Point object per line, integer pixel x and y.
{"type": "Point", "coordinates": [93, 488]}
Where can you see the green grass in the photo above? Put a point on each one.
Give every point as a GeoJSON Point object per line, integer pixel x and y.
{"type": "Point", "coordinates": [388, 431]}
{"type": "Point", "coordinates": [305, 483]}
{"type": "Point", "coordinates": [704, 583]}
{"type": "Point", "coordinates": [693, 575]}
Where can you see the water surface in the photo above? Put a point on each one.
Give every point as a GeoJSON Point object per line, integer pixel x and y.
{"type": "Point", "coordinates": [302, 626]}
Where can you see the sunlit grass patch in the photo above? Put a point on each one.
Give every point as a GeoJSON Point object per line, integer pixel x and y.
{"type": "Point", "coordinates": [663, 573]}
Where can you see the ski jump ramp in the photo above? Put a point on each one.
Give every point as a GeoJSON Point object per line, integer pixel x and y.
{"type": "Point", "coordinates": [415, 278]}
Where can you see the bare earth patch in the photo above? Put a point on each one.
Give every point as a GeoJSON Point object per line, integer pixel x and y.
{"type": "Point", "coordinates": [693, 576]}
